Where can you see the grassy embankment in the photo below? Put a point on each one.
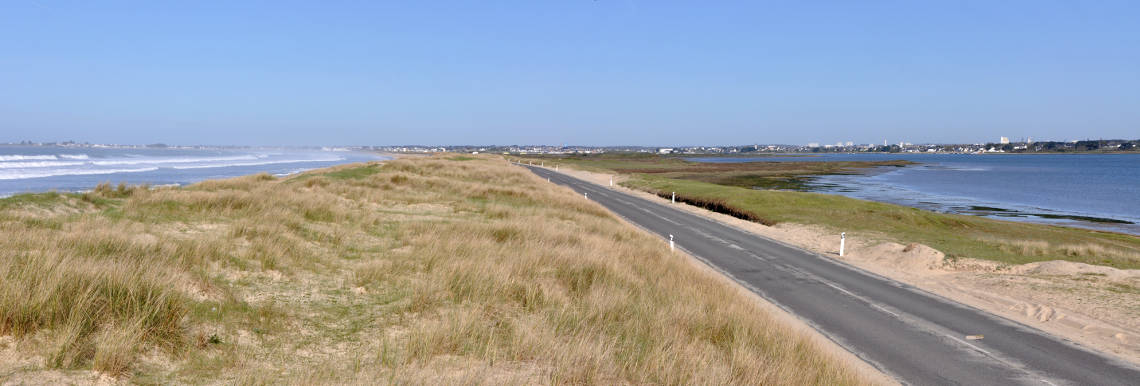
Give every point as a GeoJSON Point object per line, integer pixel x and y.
{"type": "Point", "coordinates": [727, 188]}
{"type": "Point", "coordinates": [424, 270]}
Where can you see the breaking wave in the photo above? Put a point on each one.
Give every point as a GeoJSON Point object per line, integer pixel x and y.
{"type": "Point", "coordinates": [258, 163]}
{"type": "Point", "coordinates": [40, 157]}
{"type": "Point", "coordinates": [69, 172]}
{"type": "Point", "coordinates": [36, 164]}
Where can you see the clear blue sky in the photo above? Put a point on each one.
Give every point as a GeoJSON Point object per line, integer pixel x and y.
{"type": "Point", "coordinates": [577, 72]}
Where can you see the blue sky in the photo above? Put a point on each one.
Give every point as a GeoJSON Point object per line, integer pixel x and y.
{"type": "Point", "coordinates": [575, 72]}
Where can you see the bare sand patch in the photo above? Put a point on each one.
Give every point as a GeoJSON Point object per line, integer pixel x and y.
{"type": "Point", "coordinates": [18, 367]}
{"type": "Point", "coordinates": [1058, 267]}
{"type": "Point", "coordinates": [1096, 306]}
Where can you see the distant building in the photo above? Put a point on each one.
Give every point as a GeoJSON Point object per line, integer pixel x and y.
{"type": "Point", "coordinates": [1004, 140]}
{"type": "Point", "coordinates": [665, 150]}
{"type": "Point", "coordinates": [813, 144]}
{"type": "Point", "coordinates": [850, 143]}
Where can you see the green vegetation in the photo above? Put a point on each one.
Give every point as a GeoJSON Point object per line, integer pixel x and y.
{"type": "Point", "coordinates": [353, 173]}
{"type": "Point", "coordinates": [32, 199]}
{"type": "Point", "coordinates": [955, 235]}
{"type": "Point", "coordinates": [424, 270]}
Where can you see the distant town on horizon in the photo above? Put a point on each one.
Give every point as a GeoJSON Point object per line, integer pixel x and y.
{"type": "Point", "coordinates": [1003, 145]}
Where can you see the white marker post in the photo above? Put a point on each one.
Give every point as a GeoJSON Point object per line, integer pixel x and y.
{"type": "Point", "coordinates": [671, 243]}
{"type": "Point", "coordinates": [542, 164]}
{"type": "Point", "coordinates": [555, 167]}
{"type": "Point", "coordinates": [585, 195]}
{"type": "Point", "coordinates": [611, 181]}
{"type": "Point", "coordinates": [842, 240]}
{"type": "Point", "coordinates": [674, 199]}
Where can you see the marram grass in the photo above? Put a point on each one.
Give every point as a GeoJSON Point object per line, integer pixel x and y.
{"type": "Point", "coordinates": [412, 271]}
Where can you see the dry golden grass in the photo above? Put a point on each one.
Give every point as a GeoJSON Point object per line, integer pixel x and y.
{"type": "Point", "coordinates": [419, 270]}
{"type": "Point", "coordinates": [1040, 248]}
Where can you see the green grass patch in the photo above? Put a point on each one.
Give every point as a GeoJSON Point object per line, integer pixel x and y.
{"type": "Point", "coordinates": [955, 235]}
{"type": "Point", "coordinates": [32, 199]}
{"type": "Point", "coordinates": [354, 173]}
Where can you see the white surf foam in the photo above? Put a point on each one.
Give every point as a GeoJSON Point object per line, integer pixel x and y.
{"type": "Point", "coordinates": [21, 157]}
{"type": "Point", "coordinates": [70, 172]}
{"type": "Point", "coordinates": [292, 172]}
{"type": "Point", "coordinates": [36, 164]}
{"type": "Point", "coordinates": [257, 163]}
{"type": "Point", "coordinates": [172, 160]}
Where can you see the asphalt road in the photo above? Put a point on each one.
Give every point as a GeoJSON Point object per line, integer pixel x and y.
{"type": "Point", "coordinates": [914, 336]}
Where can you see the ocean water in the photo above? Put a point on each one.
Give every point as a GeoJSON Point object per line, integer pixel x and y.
{"type": "Point", "coordinates": [1099, 191]}
{"type": "Point", "coordinates": [29, 169]}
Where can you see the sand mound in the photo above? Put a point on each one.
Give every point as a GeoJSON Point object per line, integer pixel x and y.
{"type": "Point", "coordinates": [1042, 313]}
{"type": "Point", "coordinates": [904, 257]}
{"type": "Point", "coordinates": [1059, 267]}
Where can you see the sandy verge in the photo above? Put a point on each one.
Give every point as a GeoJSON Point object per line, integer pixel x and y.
{"type": "Point", "coordinates": [18, 367]}
{"type": "Point", "coordinates": [1095, 306]}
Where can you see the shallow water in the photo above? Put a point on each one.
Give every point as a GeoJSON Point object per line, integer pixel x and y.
{"type": "Point", "coordinates": [1066, 189]}
{"type": "Point", "coordinates": [25, 169]}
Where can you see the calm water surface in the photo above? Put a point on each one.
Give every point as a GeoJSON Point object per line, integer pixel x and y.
{"type": "Point", "coordinates": [1052, 188]}
{"type": "Point", "coordinates": [25, 169]}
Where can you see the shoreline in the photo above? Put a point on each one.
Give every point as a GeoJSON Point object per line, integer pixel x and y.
{"type": "Point", "coordinates": [980, 208]}
{"type": "Point", "coordinates": [827, 184]}
{"type": "Point", "coordinates": [44, 169]}
{"type": "Point", "coordinates": [876, 180]}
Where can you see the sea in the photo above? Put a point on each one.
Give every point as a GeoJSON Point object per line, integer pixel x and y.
{"type": "Point", "coordinates": [32, 169]}
{"type": "Point", "coordinates": [1097, 191]}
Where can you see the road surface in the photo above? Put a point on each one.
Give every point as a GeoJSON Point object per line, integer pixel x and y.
{"type": "Point", "coordinates": [911, 335]}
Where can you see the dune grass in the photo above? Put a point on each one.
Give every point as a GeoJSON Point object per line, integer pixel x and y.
{"type": "Point", "coordinates": [955, 235]}
{"type": "Point", "coordinates": [427, 270]}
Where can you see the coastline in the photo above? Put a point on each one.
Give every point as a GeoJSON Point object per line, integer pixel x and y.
{"type": "Point", "coordinates": [34, 169]}
{"type": "Point", "coordinates": [887, 185]}
{"type": "Point", "coordinates": [827, 184]}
